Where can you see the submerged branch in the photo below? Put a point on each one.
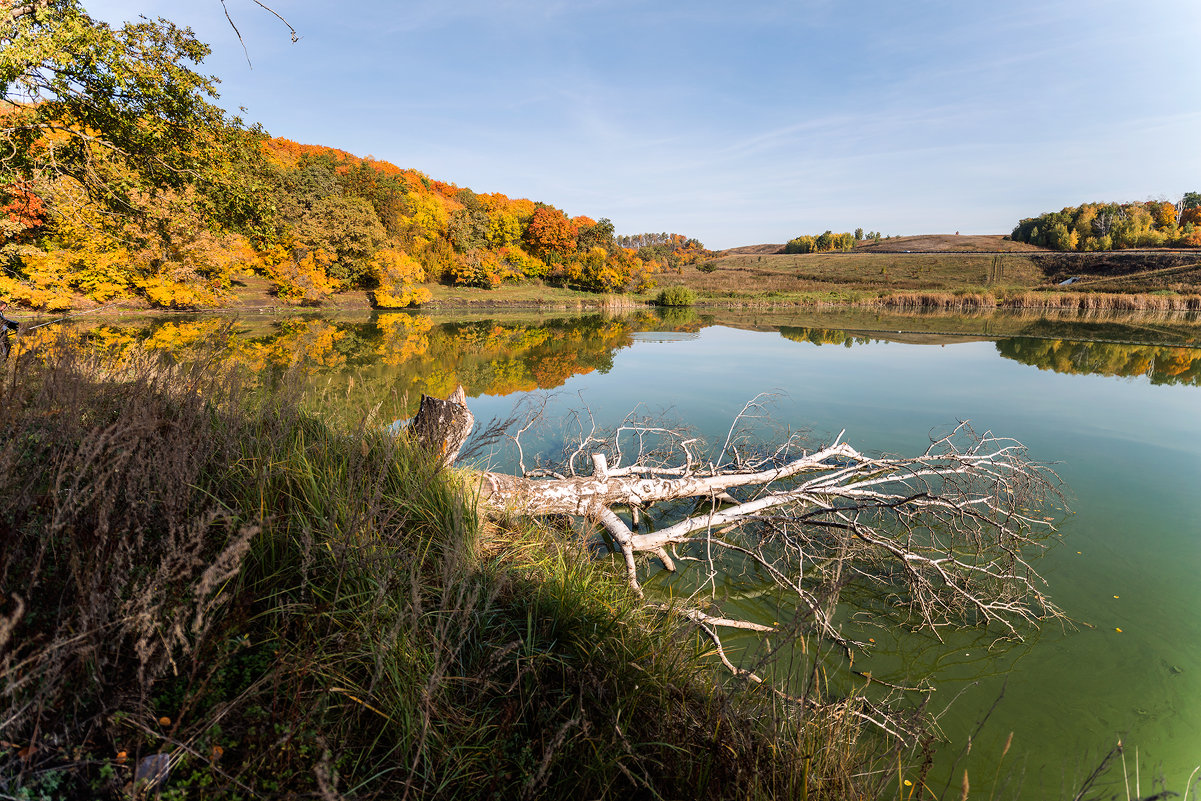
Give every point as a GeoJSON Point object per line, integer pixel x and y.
{"type": "Point", "coordinates": [944, 538]}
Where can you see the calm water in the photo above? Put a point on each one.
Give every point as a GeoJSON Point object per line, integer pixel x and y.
{"type": "Point", "coordinates": [1120, 419]}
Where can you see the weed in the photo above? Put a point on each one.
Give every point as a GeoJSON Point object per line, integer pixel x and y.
{"type": "Point", "coordinates": [676, 296]}
{"type": "Point", "coordinates": [201, 576]}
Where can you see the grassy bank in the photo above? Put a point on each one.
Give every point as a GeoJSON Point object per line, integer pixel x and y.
{"type": "Point", "coordinates": [204, 584]}
{"type": "Point", "coordinates": [1026, 278]}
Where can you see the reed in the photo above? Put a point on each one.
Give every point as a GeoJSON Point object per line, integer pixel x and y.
{"type": "Point", "coordinates": [1080, 302]}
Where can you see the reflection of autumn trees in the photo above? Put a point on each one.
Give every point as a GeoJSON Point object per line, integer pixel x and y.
{"type": "Point", "coordinates": [823, 336]}
{"type": "Point", "coordinates": [1163, 365]}
{"type": "Point", "coordinates": [403, 354]}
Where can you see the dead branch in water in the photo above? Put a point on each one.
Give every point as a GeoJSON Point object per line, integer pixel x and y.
{"type": "Point", "coordinates": [945, 536]}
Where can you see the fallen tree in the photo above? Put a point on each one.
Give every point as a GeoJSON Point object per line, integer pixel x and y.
{"type": "Point", "coordinates": [944, 538]}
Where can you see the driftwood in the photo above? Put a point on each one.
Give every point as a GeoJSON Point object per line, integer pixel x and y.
{"type": "Point", "coordinates": [945, 538]}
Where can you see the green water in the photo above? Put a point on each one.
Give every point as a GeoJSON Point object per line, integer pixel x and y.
{"type": "Point", "coordinates": [1115, 405]}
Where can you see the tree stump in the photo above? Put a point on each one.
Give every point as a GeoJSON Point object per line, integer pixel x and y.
{"type": "Point", "coordinates": [442, 426]}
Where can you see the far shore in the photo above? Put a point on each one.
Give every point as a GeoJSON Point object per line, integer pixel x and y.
{"type": "Point", "coordinates": [974, 273]}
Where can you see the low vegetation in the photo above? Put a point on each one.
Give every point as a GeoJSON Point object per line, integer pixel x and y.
{"type": "Point", "coordinates": [1015, 275]}
{"type": "Point", "coordinates": [676, 296]}
{"type": "Point", "coordinates": [210, 592]}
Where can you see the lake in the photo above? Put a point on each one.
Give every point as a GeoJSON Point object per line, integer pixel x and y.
{"type": "Point", "coordinates": [1113, 404]}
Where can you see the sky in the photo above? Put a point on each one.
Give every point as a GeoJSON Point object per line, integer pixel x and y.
{"type": "Point", "coordinates": [734, 122]}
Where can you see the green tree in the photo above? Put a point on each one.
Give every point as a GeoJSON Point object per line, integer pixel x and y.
{"type": "Point", "coordinates": [469, 228]}
{"type": "Point", "coordinates": [75, 87]}
{"type": "Point", "coordinates": [599, 234]}
{"type": "Point", "coordinates": [347, 228]}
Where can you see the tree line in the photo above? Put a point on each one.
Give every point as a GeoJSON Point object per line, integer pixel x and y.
{"type": "Point", "coordinates": [822, 243]}
{"type": "Point", "coordinates": [124, 179]}
{"type": "Point", "coordinates": [670, 250]}
{"type": "Point", "coordinates": [1116, 226]}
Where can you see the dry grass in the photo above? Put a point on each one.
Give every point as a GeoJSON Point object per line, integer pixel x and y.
{"type": "Point", "coordinates": [197, 571]}
{"type": "Point", "coordinates": [845, 274]}
{"type": "Point", "coordinates": [1083, 302]}
{"type": "Point", "coordinates": [951, 243]}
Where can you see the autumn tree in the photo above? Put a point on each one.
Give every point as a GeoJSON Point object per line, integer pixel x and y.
{"type": "Point", "coordinates": [397, 275]}
{"type": "Point", "coordinates": [550, 234]}
{"type": "Point", "coordinates": [75, 87]}
{"type": "Point", "coordinates": [822, 243]}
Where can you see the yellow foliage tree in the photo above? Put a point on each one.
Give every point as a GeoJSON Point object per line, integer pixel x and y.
{"type": "Point", "coordinates": [397, 274]}
{"type": "Point", "coordinates": [299, 276]}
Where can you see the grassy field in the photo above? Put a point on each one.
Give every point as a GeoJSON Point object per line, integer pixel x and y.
{"type": "Point", "coordinates": [854, 273]}
{"type": "Point", "coordinates": [946, 272]}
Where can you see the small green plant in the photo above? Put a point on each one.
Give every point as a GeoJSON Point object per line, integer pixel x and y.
{"type": "Point", "coordinates": [676, 296]}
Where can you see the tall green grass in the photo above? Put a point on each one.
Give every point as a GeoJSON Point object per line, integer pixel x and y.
{"type": "Point", "coordinates": [195, 566]}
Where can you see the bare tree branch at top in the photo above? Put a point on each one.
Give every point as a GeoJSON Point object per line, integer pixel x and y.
{"type": "Point", "coordinates": [229, 18]}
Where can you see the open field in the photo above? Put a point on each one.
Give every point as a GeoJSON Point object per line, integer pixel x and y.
{"type": "Point", "coordinates": [949, 243]}
{"type": "Point", "coordinates": [948, 271]}
{"type": "Point", "coordinates": [740, 274]}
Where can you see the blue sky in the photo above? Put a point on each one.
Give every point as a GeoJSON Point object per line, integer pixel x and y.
{"type": "Point", "coordinates": [737, 123]}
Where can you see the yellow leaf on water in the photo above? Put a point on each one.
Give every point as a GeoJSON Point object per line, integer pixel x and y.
{"type": "Point", "coordinates": [1119, 631]}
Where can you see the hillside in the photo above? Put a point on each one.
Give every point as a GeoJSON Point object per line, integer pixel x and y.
{"type": "Point", "coordinates": [922, 243]}
{"type": "Point", "coordinates": [948, 243]}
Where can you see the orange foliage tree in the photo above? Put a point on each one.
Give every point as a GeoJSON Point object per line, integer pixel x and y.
{"type": "Point", "coordinates": [551, 236]}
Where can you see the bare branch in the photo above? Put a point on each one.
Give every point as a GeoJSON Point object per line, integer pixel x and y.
{"type": "Point", "coordinates": [942, 539]}
{"type": "Point", "coordinates": [265, 7]}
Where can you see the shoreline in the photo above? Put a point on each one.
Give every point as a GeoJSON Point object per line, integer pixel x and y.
{"type": "Point", "coordinates": [915, 301]}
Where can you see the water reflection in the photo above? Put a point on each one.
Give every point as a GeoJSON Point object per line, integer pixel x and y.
{"type": "Point", "coordinates": [1161, 365]}
{"type": "Point", "coordinates": [1127, 453]}
{"type": "Point", "coordinates": [503, 356]}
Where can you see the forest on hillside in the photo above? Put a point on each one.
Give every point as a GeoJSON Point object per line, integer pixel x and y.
{"type": "Point", "coordinates": [123, 179]}
{"type": "Point", "coordinates": [1116, 226]}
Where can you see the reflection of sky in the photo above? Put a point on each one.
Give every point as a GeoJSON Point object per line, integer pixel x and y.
{"type": "Point", "coordinates": [1128, 453]}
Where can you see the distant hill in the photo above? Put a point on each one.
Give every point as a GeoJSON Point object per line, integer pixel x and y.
{"type": "Point", "coordinates": [949, 243]}
{"type": "Point", "coordinates": [753, 250]}
{"type": "Point", "coordinates": [927, 243]}
{"type": "Point", "coordinates": [937, 243]}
